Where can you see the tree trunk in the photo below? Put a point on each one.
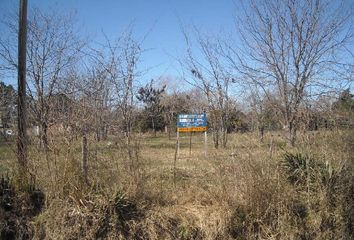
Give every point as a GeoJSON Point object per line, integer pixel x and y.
{"type": "Point", "coordinates": [224, 137]}
{"type": "Point", "coordinates": [261, 130]}
{"type": "Point", "coordinates": [153, 126]}
{"type": "Point", "coordinates": [44, 136]}
{"type": "Point", "coordinates": [292, 133]}
{"type": "Point", "coordinates": [129, 150]}
{"type": "Point", "coordinates": [84, 157]}
{"type": "Point", "coordinates": [216, 138]}
{"type": "Point", "coordinates": [104, 133]}
{"type": "Point", "coordinates": [98, 134]}
{"type": "Point", "coordinates": [169, 132]}
{"type": "Point", "coordinates": [224, 127]}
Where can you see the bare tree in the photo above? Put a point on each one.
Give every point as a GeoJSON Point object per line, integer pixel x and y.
{"type": "Point", "coordinates": [84, 109]}
{"type": "Point", "coordinates": [264, 110]}
{"type": "Point", "coordinates": [8, 103]}
{"type": "Point", "coordinates": [293, 48]}
{"type": "Point", "coordinates": [123, 74]}
{"type": "Point", "coordinates": [209, 73]}
{"type": "Point", "coordinates": [52, 49]}
{"type": "Point", "coordinates": [116, 68]}
{"type": "Point", "coordinates": [86, 117]}
{"type": "Point", "coordinates": [99, 90]}
{"type": "Point", "coordinates": [258, 111]}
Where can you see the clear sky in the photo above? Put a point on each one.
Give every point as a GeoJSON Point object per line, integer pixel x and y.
{"type": "Point", "coordinates": [161, 19]}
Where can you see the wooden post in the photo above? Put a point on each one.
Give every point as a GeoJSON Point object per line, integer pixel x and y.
{"type": "Point", "coordinates": [21, 100]}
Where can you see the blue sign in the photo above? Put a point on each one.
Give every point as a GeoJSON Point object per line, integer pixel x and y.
{"type": "Point", "coordinates": [191, 120]}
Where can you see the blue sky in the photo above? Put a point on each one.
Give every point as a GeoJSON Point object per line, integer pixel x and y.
{"type": "Point", "coordinates": [161, 19]}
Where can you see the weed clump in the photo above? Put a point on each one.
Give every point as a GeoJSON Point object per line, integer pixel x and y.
{"type": "Point", "coordinates": [238, 226]}
{"type": "Point", "coordinates": [17, 209]}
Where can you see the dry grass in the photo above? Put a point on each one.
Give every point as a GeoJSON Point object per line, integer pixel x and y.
{"type": "Point", "coordinates": [242, 192]}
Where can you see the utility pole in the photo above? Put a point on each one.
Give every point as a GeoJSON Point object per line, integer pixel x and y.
{"type": "Point", "coordinates": [21, 100]}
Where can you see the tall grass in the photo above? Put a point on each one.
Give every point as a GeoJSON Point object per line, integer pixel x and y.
{"type": "Point", "coordinates": [251, 190]}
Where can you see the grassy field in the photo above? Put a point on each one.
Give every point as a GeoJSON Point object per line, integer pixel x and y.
{"type": "Point", "coordinates": [250, 190]}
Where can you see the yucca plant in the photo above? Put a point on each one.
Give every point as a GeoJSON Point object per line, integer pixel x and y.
{"type": "Point", "coordinates": [298, 167]}
{"type": "Point", "coordinates": [125, 208]}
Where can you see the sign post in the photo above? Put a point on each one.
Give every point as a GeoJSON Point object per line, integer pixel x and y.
{"type": "Point", "coordinates": [205, 143]}
{"type": "Point", "coordinates": [190, 143]}
{"type": "Point", "coordinates": [192, 123]}
{"type": "Point", "coordinates": [177, 143]}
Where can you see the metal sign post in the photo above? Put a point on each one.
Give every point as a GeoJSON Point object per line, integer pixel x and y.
{"type": "Point", "coordinates": [177, 142]}
{"type": "Point", "coordinates": [190, 143]}
{"type": "Point", "coordinates": [205, 143]}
